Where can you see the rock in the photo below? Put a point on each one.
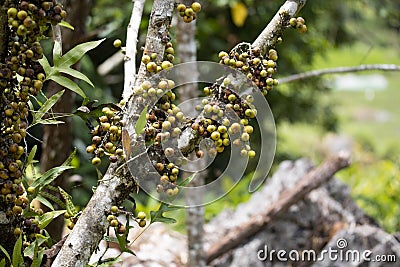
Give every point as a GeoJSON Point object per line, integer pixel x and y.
{"type": "Point", "coordinates": [363, 245]}
{"type": "Point", "coordinates": [313, 225]}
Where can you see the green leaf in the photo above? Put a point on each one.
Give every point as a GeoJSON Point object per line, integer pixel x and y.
{"type": "Point", "coordinates": [46, 66]}
{"type": "Point", "coordinates": [50, 176]}
{"type": "Point", "coordinates": [44, 201]}
{"type": "Point", "coordinates": [68, 83]}
{"type": "Point", "coordinates": [158, 215]}
{"type": "Point", "coordinates": [66, 25]}
{"type": "Point", "coordinates": [5, 252]}
{"type": "Point", "coordinates": [76, 53]}
{"type": "Point", "coordinates": [141, 122]}
{"type": "Point", "coordinates": [3, 262]}
{"type": "Point", "coordinates": [187, 180]}
{"type": "Point", "coordinates": [76, 74]}
{"type": "Point", "coordinates": [52, 197]}
{"type": "Point", "coordinates": [69, 205]}
{"type": "Point", "coordinates": [123, 242]}
{"type": "Point", "coordinates": [47, 106]}
{"type": "Point", "coordinates": [37, 256]}
{"type": "Point", "coordinates": [68, 161]}
{"type": "Point", "coordinates": [17, 258]}
{"type": "Point", "coordinates": [30, 250]}
{"type": "Point", "coordinates": [57, 52]}
{"type": "Point", "coordinates": [48, 217]}
{"type": "Point", "coordinates": [31, 155]}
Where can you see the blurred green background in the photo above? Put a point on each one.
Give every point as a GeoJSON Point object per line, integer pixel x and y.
{"type": "Point", "coordinates": [312, 116]}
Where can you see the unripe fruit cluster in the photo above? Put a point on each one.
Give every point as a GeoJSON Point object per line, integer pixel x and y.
{"type": "Point", "coordinates": [258, 68]}
{"type": "Point", "coordinates": [219, 122]}
{"type": "Point", "coordinates": [163, 122]}
{"type": "Point", "coordinates": [106, 136]}
{"type": "Point", "coordinates": [298, 23]}
{"type": "Point", "coordinates": [21, 76]}
{"type": "Point", "coordinates": [112, 218]}
{"type": "Point", "coordinates": [188, 13]}
{"type": "Point", "coordinates": [154, 66]}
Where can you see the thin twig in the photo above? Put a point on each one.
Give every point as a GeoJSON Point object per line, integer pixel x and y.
{"type": "Point", "coordinates": [315, 73]}
{"type": "Point", "coordinates": [131, 47]}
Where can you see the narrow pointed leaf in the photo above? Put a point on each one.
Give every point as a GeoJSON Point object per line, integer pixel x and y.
{"type": "Point", "coordinates": [5, 252]}
{"type": "Point", "coordinates": [68, 161]}
{"type": "Point", "coordinates": [54, 198]}
{"type": "Point", "coordinates": [69, 205]}
{"type": "Point", "coordinates": [57, 53]}
{"type": "Point", "coordinates": [17, 258]}
{"type": "Point", "coordinates": [37, 256]}
{"type": "Point", "coordinates": [50, 176]}
{"type": "Point", "coordinates": [76, 53]}
{"type": "Point", "coordinates": [31, 155]}
{"type": "Point", "coordinates": [44, 201]}
{"type": "Point", "coordinates": [187, 180]}
{"type": "Point", "coordinates": [141, 122]}
{"type": "Point", "coordinates": [47, 106]}
{"type": "Point", "coordinates": [30, 250]}
{"type": "Point", "coordinates": [3, 262]}
{"type": "Point", "coordinates": [76, 74]}
{"type": "Point", "coordinates": [48, 217]}
{"type": "Point", "coordinates": [68, 83]}
{"type": "Point", "coordinates": [46, 66]}
{"type": "Point", "coordinates": [66, 25]}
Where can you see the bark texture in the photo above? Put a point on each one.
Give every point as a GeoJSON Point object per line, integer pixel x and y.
{"type": "Point", "coordinates": [187, 52]}
{"type": "Point", "coordinates": [116, 183]}
{"type": "Point", "coordinates": [57, 139]}
{"type": "Point", "coordinates": [114, 187]}
{"type": "Point", "coordinates": [269, 35]}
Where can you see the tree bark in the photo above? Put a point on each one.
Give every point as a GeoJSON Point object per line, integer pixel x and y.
{"type": "Point", "coordinates": [114, 187]}
{"type": "Point", "coordinates": [57, 139]}
{"type": "Point", "coordinates": [270, 34]}
{"type": "Point", "coordinates": [186, 48]}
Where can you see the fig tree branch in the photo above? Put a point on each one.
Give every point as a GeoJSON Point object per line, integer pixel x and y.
{"type": "Point", "coordinates": [131, 47]}
{"type": "Point", "coordinates": [269, 35]}
{"type": "Point", "coordinates": [312, 180]}
{"type": "Point", "coordinates": [115, 186]}
{"type": "Point", "coordinates": [316, 73]}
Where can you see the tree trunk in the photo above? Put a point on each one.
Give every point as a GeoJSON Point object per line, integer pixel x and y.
{"type": "Point", "coordinates": [186, 48]}
{"type": "Point", "coordinates": [57, 140]}
{"type": "Point", "coordinates": [114, 186]}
